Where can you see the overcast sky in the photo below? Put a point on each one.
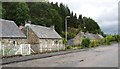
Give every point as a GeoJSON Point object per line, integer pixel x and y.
{"type": "Point", "coordinates": [104, 12]}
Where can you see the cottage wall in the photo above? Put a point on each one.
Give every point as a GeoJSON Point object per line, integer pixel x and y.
{"type": "Point", "coordinates": [44, 44]}
{"type": "Point", "coordinates": [10, 46]}
{"type": "Point", "coordinates": [77, 40]}
{"type": "Point", "coordinates": [32, 39]}
{"type": "Point", "coordinates": [51, 45]}
{"type": "Point", "coordinates": [9, 43]}
{"type": "Point", "coordinates": [48, 45]}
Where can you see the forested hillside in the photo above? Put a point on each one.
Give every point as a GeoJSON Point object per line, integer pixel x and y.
{"type": "Point", "coordinates": [46, 14]}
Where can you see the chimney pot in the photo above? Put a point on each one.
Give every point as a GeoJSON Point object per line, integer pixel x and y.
{"type": "Point", "coordinates": [29, 21]}
{"type": "Point", "coordinates": [52, 27]}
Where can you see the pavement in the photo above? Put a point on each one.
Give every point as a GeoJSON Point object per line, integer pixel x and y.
{"type": "Point", "coordinates": [38, 56]}
{"type": "Point", "coordinates": [103, 56]}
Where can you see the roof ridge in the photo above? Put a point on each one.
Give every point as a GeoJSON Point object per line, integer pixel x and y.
{"type": "Point", "coordinates": [6, 20]}
{"type": "Point", "coordinates": [41, 26]}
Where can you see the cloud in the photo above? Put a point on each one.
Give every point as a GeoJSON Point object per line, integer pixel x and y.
{"type": "Point", "coordinates": [110, 27]}
{"type": "Point", "coordinates": [104, 12]}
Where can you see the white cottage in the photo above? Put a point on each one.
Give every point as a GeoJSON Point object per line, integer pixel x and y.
{"type": "Point", "coordinates": [44, 38]}
{"type": "Point", "coordinates": [10, 34]}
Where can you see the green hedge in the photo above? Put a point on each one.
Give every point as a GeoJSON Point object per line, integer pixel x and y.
{"type": "Point", "coordinates": [94, 43]}
{"type": "Point", "coordinates": [69, 47]}
{"type": "Point", "coordinates": [85, 43]}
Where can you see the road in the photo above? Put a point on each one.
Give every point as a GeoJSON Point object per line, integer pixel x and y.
{"type": "Point", "coordinates": [104, 56]}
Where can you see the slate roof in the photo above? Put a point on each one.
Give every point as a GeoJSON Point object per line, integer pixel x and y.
{"type": "Point", "coordinates": [8, 29]}
{"type": "Point", "coordinates": [44, 32]}
{"type": "Point", "coordinates": [93, 36]}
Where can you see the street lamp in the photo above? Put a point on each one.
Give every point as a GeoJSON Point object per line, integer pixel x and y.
{"type": "Point", "coordinates": [84, 25]}
{"type": "Point", "coordinates": [66, 28]}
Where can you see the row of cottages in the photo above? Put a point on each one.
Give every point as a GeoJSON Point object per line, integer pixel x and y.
{"type": "Point", "coordinates": [77, 40]}
{"type": "Point", "coordinates": [10, 34]}
{"type": "Point", "coordinates": [43, 38]}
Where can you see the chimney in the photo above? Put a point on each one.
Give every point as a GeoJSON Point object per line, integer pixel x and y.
{"type": "Point", "coordinates": [21, 26]}
{"type": "Point", "coordinates": [29, 21]}
{"type": "Point", "coordinates": [52, 27]}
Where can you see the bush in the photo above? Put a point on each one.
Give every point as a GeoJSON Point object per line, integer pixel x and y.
{"type": "Point", "coordinates": [64, 41]}
{"type": "Point", "coordinates": [107, 40]}
{"type": "Point", "coordinates": [94, 43]}
{"type": "Point", "coordinates": [85, 43]}
{"type": "Point", "coordinates": [69, 47]}
{"type": "Point", "coordinates": [116, 38]}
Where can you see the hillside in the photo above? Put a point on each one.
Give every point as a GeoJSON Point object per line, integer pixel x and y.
{"type": "Point", "coordinates": [46, 14]}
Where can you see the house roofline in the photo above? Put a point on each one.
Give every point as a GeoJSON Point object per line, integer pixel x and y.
{"type": "Point", "coordinates": [50, 38]}
{"type": "Point", "coordinates": [13, 37]}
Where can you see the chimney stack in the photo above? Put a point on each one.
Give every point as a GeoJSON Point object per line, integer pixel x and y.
{"type": "Point", "coordinates": [29, 21]}
{"type": "Point", "coordinates": [52, 27]}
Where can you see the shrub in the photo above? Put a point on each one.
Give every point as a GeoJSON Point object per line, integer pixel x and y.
{"type": "Point", "coordinates": [109, 38]}
{"type": "Point", "coordinates": [69, 47]}
{"type": "Point", "coordinates": [94, 43]}
{"type": "Point", "coordinates": [107, 41]}
{"type": "Point", "coordinates": [64, 41]}
{"type": "Point", "coordinates": [85, 43]}
{"type": "Point", "coordinates": [116, 38]}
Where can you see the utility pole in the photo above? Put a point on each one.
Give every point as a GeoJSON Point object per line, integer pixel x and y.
{"type": "Point", "coordinates": [66, 28]}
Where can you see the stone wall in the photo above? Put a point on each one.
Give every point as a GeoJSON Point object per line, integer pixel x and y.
{"type": "Point", "coordinates": [77, 40]}
{"type": "Point", "coordinates": [12, 42]}
{"type": "Point", "coordinates": [48, 45]}
{"type": "Point", "coordinates": [10, 46]}
{"type": "Point", "coordinates": [51, 45]}
{"type": "Point", "coordinates": [32, 37]}
{"type": "Point", "coordinates": [41, 45]}
{"type": "Point", "coordinates": [37, 45]}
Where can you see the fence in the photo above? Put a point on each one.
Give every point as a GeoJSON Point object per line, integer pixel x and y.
{"type": "Point", "coordinates": [26, 49]}
{"type": "Point", "coordinates": [48, 47]}
{"type": "Point", "coordinates": [23, 49]}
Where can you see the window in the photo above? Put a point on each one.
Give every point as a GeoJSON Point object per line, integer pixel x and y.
{"type": "Point", "coordinates": [52, 43]}
{"type": "Point", "coordinates": [14, 42]}
{"type": "Point", "coordinates": [46, 43]}
{"type": "Point", "coordinates": [56, 42]}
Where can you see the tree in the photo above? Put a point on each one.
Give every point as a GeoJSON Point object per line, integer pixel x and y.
{"type": "Point", "coordinates": [21, 13]}
{"type": "Point", "coordinates": [80, 22]}
{"type": "Point", "coordinates": [16, 11]}
{"type": "Point", "coordinates": [46, 14]}
{"type": "Point", "coordinates": [56, 19]}
{"type": "Point", "coordinates": [91, 25]}
{"type": "Point", "coordinates": [2, 10]}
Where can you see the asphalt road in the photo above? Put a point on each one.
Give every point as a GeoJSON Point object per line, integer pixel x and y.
{"type": "Point", "coordinates": [104, 56]}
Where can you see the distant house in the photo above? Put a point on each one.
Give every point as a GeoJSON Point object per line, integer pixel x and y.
{"type": "Point", "coordinates": [10, 34]}
{"type": "Point", "coordinates": [93, 36]}
{"type": "Point", "coordinates": [44, 38]}
{"type": "Point", "coordinates": [78, 38]}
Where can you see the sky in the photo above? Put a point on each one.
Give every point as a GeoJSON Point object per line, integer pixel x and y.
{"type": "Point", "coordinates": [104, 12]}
